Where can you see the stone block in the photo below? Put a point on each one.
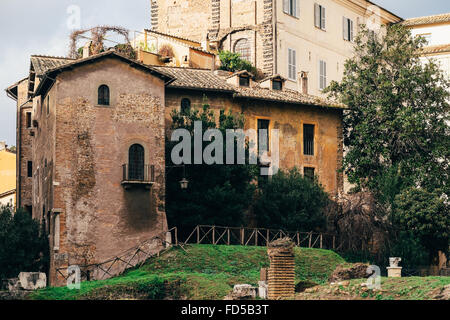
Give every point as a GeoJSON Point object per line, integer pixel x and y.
{"type": "Point", "coordinates": [32, 280]}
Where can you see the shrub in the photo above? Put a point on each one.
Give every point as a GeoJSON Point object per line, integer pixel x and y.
{"type": "Point", "coordinates": [233, 62]}
{"type": "Point", "coordinates": [23, 244]}
{"type": "Point", "coordinates": [291, 202]}
{"type": "Point", "coordinates": [425, 214]}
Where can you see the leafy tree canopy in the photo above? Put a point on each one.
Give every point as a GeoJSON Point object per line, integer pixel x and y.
{"type": "Point", "coordinates": [23, 245]}
{"type": "Point", "coordinates": [289, 201]}
{"type": "Point", "coordinates": [217, 194]}
{"type": "Point", "coordinates": [395, 126]}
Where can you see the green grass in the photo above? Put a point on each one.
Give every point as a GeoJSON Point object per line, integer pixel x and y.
{"type": "Point", "coordinates": [203, 272]}
{"type": "Point", "coordinates": [406, 288]}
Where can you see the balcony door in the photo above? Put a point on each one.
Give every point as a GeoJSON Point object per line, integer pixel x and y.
{"type": "Point", "coordinates": [136, 163]}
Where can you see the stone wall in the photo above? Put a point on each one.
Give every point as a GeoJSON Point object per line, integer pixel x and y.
{"type": "Point", "coordinates": [85, 147]}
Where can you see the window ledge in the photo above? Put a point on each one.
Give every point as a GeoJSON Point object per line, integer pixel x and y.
{"type": "Point", "coordinates": [290, 15]}
{"type": "Point", "coordinates": [128, 184]}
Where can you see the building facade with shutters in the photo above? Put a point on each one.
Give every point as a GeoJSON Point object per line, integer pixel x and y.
{"type": "Point", "coordinates": [436, 31]}
{"type": "Point", "coordinates": [305, 41]}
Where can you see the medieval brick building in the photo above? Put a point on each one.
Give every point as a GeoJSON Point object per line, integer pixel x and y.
{"type": "Point", "coordinates": [91, 139]}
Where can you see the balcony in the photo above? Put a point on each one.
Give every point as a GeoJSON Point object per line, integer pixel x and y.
{"type": "Point", "coordinates": [138, 176]}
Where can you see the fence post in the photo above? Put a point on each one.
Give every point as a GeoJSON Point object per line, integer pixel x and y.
{"type": "Point", "coordinates": [176, 236]}
{"type": "Point", "coordinates": [298, 239]}
{"type": "Point", "coordinates": [256, 237]}
{"type": "Point", "coordinates": [310, 239]}
{"type": "Point", "coordinates": [214, 236]}
{"type": "Point", "coordinates": [228, 234]}
{"type": "Point", "coordinates": [198, 234]}
{"type": "Point", "coordinates": [268, 235]}
{"type": "Point", "coordinates": [242, 236]}
{"type": "Point", "coordinates": [321, 238]}
{"type": "Point", "coordinates": [334, 242]}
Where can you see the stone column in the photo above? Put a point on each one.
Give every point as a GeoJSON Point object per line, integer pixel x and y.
{"type": "Point", "coordinates": [282, 269]}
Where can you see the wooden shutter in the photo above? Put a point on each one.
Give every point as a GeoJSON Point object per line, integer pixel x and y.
{"type": "Point", "coordinates": [297, 8]}
{"type": "Point", "coordinates": [322, 17]}
{"type": "Point", "coordinates": [351, 30]}
{"type": "Point", "coordinates": [345, 28]}
{"type": "Point", "coordinates": [316, 15]}
{"type": "Point", "coordinates": [286, 6]}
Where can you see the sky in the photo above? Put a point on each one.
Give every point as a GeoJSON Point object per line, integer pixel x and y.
{"type": "Point", "coordinates": [43, 27]}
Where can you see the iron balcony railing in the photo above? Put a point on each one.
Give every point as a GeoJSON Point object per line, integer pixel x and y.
{"type": "Point", "coordinates": [138, 173]}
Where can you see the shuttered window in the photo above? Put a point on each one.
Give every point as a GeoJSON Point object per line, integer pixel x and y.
{"type": "Point", "coordinates": [292, 64]}
{"type": "Point", "coordinates": [292, 7]}
{"type": "Point", "coordinates": [322, 74]}
{"type": "Point", "coordinates": [308, 139]}
{"type": "Point", "coordinates": [319, 16]}
{"type": "Point", "coordinates": [347, 26]}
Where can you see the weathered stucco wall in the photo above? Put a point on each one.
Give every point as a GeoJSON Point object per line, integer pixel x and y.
{"type": "Point", "coordinates": [289, 119]}
{"type": "Point", "coordinates": [98, 217]}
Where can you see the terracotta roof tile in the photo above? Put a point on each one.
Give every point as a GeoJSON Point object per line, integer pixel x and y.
{"type": "Point", "coordinates": [195, 79]}
{"type": "Point", "coordinates": [42, 64]}
{"type": "Point", "coordinates": [440, 18]}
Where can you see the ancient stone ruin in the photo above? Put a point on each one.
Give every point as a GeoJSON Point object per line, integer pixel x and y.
{"type": "Point", "coordinates": [282, 269]}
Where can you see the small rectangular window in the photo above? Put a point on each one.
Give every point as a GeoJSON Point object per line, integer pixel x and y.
{"type": "Point", "coordinates": [292, 64]}
{"type": "Point", "coordinates": [244, 81]}
{"type": "Point", "coordinates": [28, 119]}
{"type": "Point", "coordinates": [30, 169]}
{"type": "Point", "coordinates": [347, 29]}
{"type": "Point", "coordinates": [308, 139]}
{"type": "Point", "coordinates": [322, 75]}
{"type": "Point", "coordinates": [263, 130]}
{"type": "Point", "coordinates": [277, 85]}
{"type": "Point", "coordinates": [292, 7]}
{"type": "Point", "coordinates": [309, 173]}
{"type": "Point", "coordinates": [48, 104]}
{"type": "Point", "coordinates": [319, 16]}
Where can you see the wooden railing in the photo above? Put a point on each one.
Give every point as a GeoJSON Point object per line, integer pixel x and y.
{"type": "Point", "coordinates": [203, 234]}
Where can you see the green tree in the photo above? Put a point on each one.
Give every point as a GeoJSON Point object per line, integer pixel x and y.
{"type": "Point", "coordinates": [233, 62]}
{"type": "Point", "coordinates": [426, 215]}
{"type": "Point", "coordinates": [23, 244]}
{"type": "Point", "coordinates": [217, 194]}
{"type": "Point", "coordinates": [395, 126]}
{"type": "Point", "coordinates": [291, 202]}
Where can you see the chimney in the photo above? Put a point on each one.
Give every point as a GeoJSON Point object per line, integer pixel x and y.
{"type": "Point", "coordinates": [205, 43]}
{"type": "Point", "coordinates": [303, 82]}
{"type": "Point", "coordinates": [2, 145]}
{"type": "Point", "coordinates": [87, 49]}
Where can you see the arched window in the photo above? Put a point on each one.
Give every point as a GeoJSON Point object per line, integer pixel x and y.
{"type": "Point", "coordinates": [185, 105]}
{"type": "Point", "coordinates": [103, 95]}
{"type": "Point", "coordinates": [242, 47]}
{"type": "Point", "coordinates": [136, 163]}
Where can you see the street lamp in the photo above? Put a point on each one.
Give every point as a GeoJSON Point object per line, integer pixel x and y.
{"type": "Point", "coordinates": [184, 184]}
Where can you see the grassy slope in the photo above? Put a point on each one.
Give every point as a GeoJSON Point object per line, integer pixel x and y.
{"type": "Point", "coordinates": [204, 272]}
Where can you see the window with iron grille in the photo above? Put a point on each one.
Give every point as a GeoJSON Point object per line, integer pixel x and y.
{"type": "Point", "coordinates": [103, 95]}
{"type": "Point", "coordinates": [308, 139]}
{"type": "Point", "coordinates": [242, 47]}
{"type": "Point", "coordinates": [136, 163]}
{"type": "Point", "coordinates": [309, 173]}
{"type": "Point", "coordinates": [263, 130]}
{"type": "Point", "coordinates": [185, 106]}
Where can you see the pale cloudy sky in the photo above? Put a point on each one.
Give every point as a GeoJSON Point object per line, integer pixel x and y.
{"type": "Point", "coordinates": [40, 27]}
